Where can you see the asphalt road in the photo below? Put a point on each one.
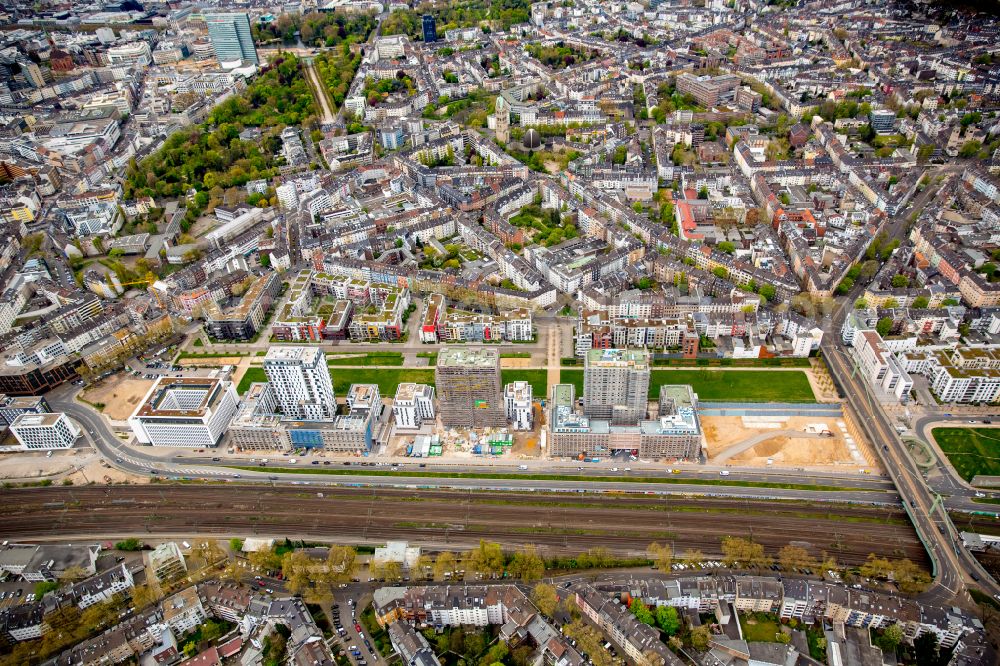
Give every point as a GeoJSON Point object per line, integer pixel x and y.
{"type": "Point", "coordinates": [136, 460]}
{"type": "Point", "coordinates": [953, 564]}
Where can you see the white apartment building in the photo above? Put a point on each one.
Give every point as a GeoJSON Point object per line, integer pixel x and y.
{"type": "Point", "coordinates": [288, 196]}
{"type": "Point", "coordinates": [965, 375]}
{"type": "Point", "coordinates": [44, 432]}
{"type": "Point", "coordinates": [191, 412]}
{"type": "Point", "coordinates": [301, 381]}
{"type": "Point", "coordinates": [103, 587]}
{"type": "Point", "coordinates": [882, 370]}
{"type": "Point", "coordinates": [478, 615]}
{"type": "Point", "coordinates": [413, 404]}
{"type": "Point", "coordinates": [518, 404]}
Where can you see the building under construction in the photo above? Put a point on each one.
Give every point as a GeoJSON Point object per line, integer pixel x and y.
{"type": "Point", "coordinates": [468, 388]}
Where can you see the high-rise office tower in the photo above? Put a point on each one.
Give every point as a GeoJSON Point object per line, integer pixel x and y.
{"type": "Point", "coordinates": [430, 28]}
{"type": "Point", "coordinates": [468, 388]}
{"type": "Point", "coordinates": [616, 385]}
{"type": "Point", "coordinates": [231, 37]}
{"type": "Point", "coordinates": [301, 381]}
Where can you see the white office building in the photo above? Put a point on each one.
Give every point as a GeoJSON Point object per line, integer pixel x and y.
{"type": "Point", "coordinates": [413, 405]}
{"type": "Point", "coordinates": [518, 404]}
{"type": "Point", "coordinates": [185, 411]}
{"type": "Point", "coordinates": [301, 381]}
{"type": "Point", "coordinates": [43, 432]}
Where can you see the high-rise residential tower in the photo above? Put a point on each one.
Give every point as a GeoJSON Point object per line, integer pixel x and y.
{"type": "Point", "coordinates": [231, 37]}
{"type": "Point", "coordinates": [616, 385]}
{"type": "Point", "coordinates": [468, 388]}
{"type": "Point", "coordinates": [301, 382]}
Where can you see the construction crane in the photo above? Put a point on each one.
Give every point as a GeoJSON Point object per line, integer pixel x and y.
{"type": "Point", "coordinates": [147, 281]}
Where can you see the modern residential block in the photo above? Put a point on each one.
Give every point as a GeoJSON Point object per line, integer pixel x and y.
{"type": "Point", "coordinates": [616, 385]}
{"type": "Point", "coordinates": [301, 381]}
{"type": "Point", "coordinates": [468, 386]}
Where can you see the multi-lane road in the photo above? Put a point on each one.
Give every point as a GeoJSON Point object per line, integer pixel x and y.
{"type": "Point", "coordinates": [953, 564]}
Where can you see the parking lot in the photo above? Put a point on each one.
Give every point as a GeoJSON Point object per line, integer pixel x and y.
{"type": "Point", "coordinates": [349, 634]}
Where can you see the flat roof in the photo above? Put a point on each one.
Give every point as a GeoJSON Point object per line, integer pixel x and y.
{"type": "Point", "coordinates": [164, 386]}
{"type": "Point", "coordinates": [465, 357]}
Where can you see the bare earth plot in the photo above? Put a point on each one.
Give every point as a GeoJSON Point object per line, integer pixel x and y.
{"type": "Point", "coordinates": [722, 432]}
{"type": "Point", "coordinates": [120, 395]}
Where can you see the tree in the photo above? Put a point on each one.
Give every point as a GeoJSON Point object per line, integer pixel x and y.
{"type": "Point", "coordinates": [910, 578]}
{"type": "Point", "coordinates": [391, 572]}
{"type": "Point", "coordinates": [642, 612]}
{"type": "Point", "coordinates": [720, 272]}
{"type": "Point", "coordinates": [726, 246]}
{"type": "Point", "coordinates": [893, 636]}
{"type": "Point", "coordinates": [883, 326]}
{"type": "Point", "coordinates": [662, 555]}
{"type": "Point", "coordinates": [703, 192]}
{"type": "Point", "coordinates": [876, 567]}
{"type": "Point", "coordinates": [424, 566]}
{"type": "Point", "coordinates": [860, 304]}
{"type": "Point", "coordinates": [970, 149]}
{"type": "Point", "coordinates": [527, 564]}
{"type": "Point", "coordinates": [900, 281]}
{"type": "Point", "coordinates": [264, 559]}
{"type": "Point", "coordinates": [545, 598]}
{"type": "Point", "coordinates": [925, 650]}
{"type": "Point", "coordinates": [700, 637]}
{"type": "Point", "coordinates": [737, 551]}
{"type": "Point", "coordinates": [236, 545]}
{"type": "Point", "coordinates": [667, 619]}
{"type": "Point", "coordinates": [794, 557]}
{"type": "Point", "coordinates": [920, 302]}
{"type": "Point", "coordinates": [142, 596]}
{"type": "Point", "coordinates": [693, 556]}
{"type": "Point", "coordinates": [130, 544]}
{"type": "Point", "coordinates": [73, 574]}
{"type": "Point", "coordinates": [445, 563]}
{"type": "Point", "coordinates": [487, 559]}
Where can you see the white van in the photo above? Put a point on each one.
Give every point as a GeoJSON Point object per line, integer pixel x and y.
{"type": "Point", "coordinates": [724, 472]}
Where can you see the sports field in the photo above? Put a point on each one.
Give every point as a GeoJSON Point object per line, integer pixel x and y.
{"type": "Point", "coordinates": [971, 451]}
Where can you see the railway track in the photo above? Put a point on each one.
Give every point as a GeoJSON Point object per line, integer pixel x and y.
{"type": "Point", "coordinates": [560, 523]}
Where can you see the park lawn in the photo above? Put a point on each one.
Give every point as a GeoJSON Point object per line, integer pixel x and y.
{"type": "Point", "coordinates": [574, 377]}
{"type": "Point", "coordinates": [737, 385]}
{"type": "Point", "coordinates": [759, 628]}
{"type": "Point", "coordinates": [971, 451]}
{"type": "Point", "coordinates": [366, 358]}
{"type": "Point", "coordinates": [537, 378]}
{"type": "Point", "coordinates": [722, 385]}
{"type": "Point", "coordinates": [388, 379]}
{"type": "Point", "coordinates": [252, 375]}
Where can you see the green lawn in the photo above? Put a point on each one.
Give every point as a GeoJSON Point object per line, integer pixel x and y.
{"type": "Point", "coordinates": [366, 358]}
{"type": "Point", "coordinates": [759, 628]}
{"type": "Point", "coordinates": [971, 451]}
{"type": "Point", "coordinates": [386, 378]}
{"type": "Point", "coordinates": [252, 375]}
{"type": "Point", "coordinates": [574, 377]}
{"type": "Point", "coordinates": [738, 385]}
{"type": "Point", "coordinates": [537, 378]}
{"type": "Point", "coordinates": [722, 385]}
